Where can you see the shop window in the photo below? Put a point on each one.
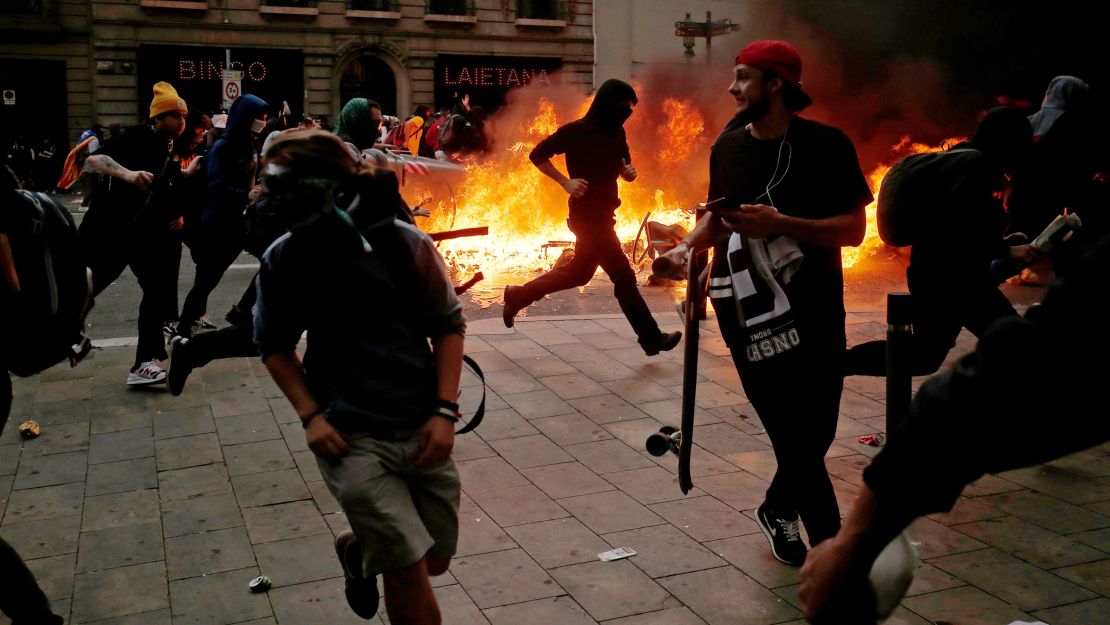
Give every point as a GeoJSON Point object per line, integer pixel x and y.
{"type": "Point", "coordinates": [373, 5]}
{"type": "Point", "coordinates": [21, 7]}
{"type": "Point", "coordinates": [538, 10]}
{"type": "Point", "coordinates": [450, 7]}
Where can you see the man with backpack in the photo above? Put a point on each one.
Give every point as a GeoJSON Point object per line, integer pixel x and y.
{"type": "Point", "coordinates": [793, 195]}
{"type": "Point", "coordinates": [944, 205]}
{"type": "Point", "coordinates": [21, 598]}
{"type": "Point", "coordinates": [131, 217]}
{"type": "Point", "coordinates": [377, 403]}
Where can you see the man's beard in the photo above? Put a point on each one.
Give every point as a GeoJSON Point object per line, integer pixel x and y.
{"type": "Point", "coordinates": [754, 112]}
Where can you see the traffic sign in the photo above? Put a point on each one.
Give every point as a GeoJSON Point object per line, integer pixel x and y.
{"type": "Point", "coordinates": [232, 86]}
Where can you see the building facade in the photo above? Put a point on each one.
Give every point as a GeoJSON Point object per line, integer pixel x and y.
{"type": "Point", "coordinates": [70, 63]}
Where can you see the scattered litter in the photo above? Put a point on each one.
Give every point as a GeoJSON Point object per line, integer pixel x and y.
{"type": "Point", "coordinates": [260, 584]}
{"type": "Point", "coordinates": [873, 440]}
{"type": "Point", "coordinates": [616, 554]}
{"type": "Point", "coordinates": [29, 429]}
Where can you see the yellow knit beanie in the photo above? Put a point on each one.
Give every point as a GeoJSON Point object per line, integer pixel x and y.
{"type": "Point", "coordinates": [166, 100]}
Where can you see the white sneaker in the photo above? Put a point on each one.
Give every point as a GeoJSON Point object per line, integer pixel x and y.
{"type": "Point", "coordinates": [147, 373]}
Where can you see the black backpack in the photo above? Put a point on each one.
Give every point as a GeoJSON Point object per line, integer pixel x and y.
{"type": "Point", "coordinates": [44, 324]}
{"type": "Point", "coordinates": [912, 189]}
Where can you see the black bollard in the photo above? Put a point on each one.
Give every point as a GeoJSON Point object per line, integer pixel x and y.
{"type": "Point", "coordinates": [899, 335]}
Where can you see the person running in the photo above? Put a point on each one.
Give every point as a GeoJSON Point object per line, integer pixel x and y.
{"type": "Point", "coordinates": [131, 221]}
{"type": "Point", "coordinates": [377, 387]}
{"type": "Point", "coordinates": [596, 154]}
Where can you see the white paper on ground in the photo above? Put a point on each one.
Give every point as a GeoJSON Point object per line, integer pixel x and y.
{"type": "Point", "coordinates": [616, 554]}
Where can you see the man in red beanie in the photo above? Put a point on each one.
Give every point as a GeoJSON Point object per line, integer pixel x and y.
{"type": "Point", "coordinates": [794, 195]}
{"type": "Point", "coordinates": [131, 220]}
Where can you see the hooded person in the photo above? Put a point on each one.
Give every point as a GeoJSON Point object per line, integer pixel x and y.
{"type": "Point", "coordinates": [360, 123]}
{"type": "Point", "coordinates": [1061, 164]}
{"type": "Point", "coordinates": [596, 154]}
{"type": "Point", "coordinates": [232, 173]}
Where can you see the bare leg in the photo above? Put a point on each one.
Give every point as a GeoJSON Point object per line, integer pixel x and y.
{"type": "Point", "coordinates": [408, 595]}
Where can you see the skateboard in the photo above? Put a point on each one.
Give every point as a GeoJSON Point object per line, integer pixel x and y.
{"type": "Point", "coordinates": [681, 441]}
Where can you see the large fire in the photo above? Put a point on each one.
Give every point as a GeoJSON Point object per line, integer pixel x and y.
{"type": "Point", "coordinates": [526, 212]}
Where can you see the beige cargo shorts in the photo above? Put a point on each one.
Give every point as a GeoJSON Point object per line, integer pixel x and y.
{"type": "Point", "coordinates": [399, 514]}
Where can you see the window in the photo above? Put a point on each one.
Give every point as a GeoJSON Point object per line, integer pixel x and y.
{"type": "Point", "coordinates": [373, 5]}
{"type": "Point", "coordinates": [25, 7]}
{"type": "Point", "coordinates": [300, 4]}
{"type": "Point", "coordinates": [451, 7]}
{"type": "Point", "coordinates": [538, 9]}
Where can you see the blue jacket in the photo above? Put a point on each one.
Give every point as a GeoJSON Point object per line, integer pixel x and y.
{"type": "Point", "coordinates": [232, 163]}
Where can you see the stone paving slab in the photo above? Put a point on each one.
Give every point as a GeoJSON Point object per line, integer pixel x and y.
{"type": "Point", "coordinates": [136, 507]}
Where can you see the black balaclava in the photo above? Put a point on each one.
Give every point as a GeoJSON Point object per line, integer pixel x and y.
{"type": "Point", "coordinates": [607, 109]}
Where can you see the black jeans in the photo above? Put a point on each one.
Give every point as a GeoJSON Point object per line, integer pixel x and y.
{"type": "Point", "coordinates": [797, 397]}
{"type": "Point", "coordinates": [221, 245]}
{"type": "Point", "coordinates": [21, 599]}
{"type": "Point", "coordinates": [597, 245]}
{"type": "Point", "coordinates": [938, 316]}
{"type": "Point", "coordinates": [230, 342]}
{"type": "Point", "coordinates": [153, 253]}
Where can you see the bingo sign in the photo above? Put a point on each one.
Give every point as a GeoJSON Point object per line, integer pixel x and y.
{"type": "Point", "coordinates": [488, 79]}
{"type": "Point", "coordinates": [199, 75]}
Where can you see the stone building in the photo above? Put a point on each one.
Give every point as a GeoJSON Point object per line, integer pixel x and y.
{"type": "Point", "coordinates": [68, 63]}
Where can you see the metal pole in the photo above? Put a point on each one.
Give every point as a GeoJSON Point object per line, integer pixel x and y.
{"type": "Point", "coordinates": [708, 38]}
{"type": "Point", "coordinates": [899, 336]}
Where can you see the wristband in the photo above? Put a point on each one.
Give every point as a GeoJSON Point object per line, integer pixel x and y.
{"type": "Point", "coordinates": [305, 422]}
{"type": "Point", "coordinates": [450, 415]}
{"type": "Point", "coordinates": [450, 405]}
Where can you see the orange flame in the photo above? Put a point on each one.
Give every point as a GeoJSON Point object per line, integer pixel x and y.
{"type": "Point", "coordinates": [526, 213]}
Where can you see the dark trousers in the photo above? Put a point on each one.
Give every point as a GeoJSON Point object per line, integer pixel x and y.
{"type": "Point", "coordinates": [152, 253]}
{"type": "Point", "coordinates": [221, 245]}
{"type": "Point", "coordinates": [231, 342]}
{"type": "Point", "coordinates": [938, 316]}
{"type": "Point", "coordinates": [597, 245]}
{"type": "Point", "coordinates": [798, 401]}
{"type": "Point", "coordinates": [21, 599]}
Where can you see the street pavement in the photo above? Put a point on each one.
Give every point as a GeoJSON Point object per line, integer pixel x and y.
{"type": "Point", "coordinates": [136, 507]}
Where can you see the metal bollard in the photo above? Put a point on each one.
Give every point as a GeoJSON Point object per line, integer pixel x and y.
{"type": "Point", "coordinates": [899, 336]}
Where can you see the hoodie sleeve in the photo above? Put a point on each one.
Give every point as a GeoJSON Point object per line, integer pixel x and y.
{"type": "Point", "coordinates": [549, 147]}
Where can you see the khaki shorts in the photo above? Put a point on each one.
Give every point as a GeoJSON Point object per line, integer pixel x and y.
{"type": "Point", "coordinates": [399, 514]}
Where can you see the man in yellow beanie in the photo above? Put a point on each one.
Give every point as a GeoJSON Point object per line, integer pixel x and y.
{"type": "Point", "coordinates": [132, 219]}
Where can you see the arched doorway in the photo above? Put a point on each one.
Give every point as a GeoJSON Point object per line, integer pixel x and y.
{"type": "Point", "coordinates": [372, 78]}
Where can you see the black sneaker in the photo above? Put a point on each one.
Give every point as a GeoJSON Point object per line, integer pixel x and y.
{"type": "Point", "coordinates": [783, 534]}
{"type": "Point", "coordinates": [169, 329]}
{"type": "Point", "coordinates": [513, 304]}
{"type": "Point", "coordinates": [362, 592]}
{"type": "Point", "coordinates": [662, 343]}
{"type": "Point", "coordinates": [181, 365]}
{"type": "Point", "coordinates": [235, 316]}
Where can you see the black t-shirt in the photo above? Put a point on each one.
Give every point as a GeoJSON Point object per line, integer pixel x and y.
{"type": "Point", "coordinates": [594, 154]}
{"type": "Point", "coordinates": [818, 176]}
{"type": "Point", "coordinates": [139, 149]}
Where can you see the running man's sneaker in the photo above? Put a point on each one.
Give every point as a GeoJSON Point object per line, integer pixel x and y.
{"type": "Point", "coordinates": [181, 364]}
{"type": "Point", "coordinates": [662, 343]}
{"type": "Point", "coordinates": [784, 534]}
{"type": "Point", "coordinates": [362, 592]}
{"type": "Point", "coordinates": [147, 373]}
{"type": "Point", "coordinates": [169, 329]}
